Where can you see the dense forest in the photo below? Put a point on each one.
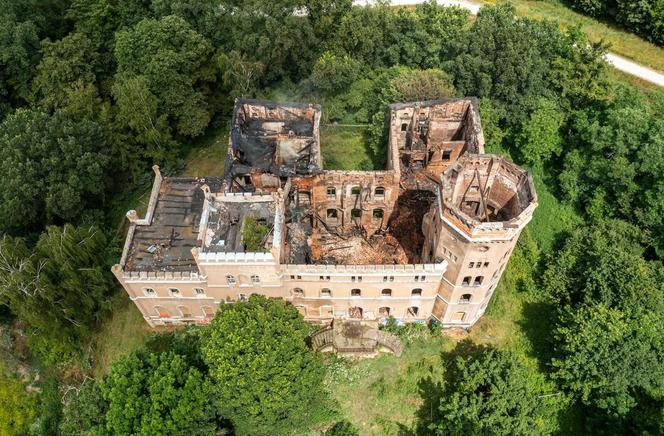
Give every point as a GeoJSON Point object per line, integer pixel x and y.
{"type": "Point", "coordinates": [643, 17]}
{"type": "Point", "coordinates": [93, 92]}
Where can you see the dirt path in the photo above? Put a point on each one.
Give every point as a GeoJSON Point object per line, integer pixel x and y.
{"type": "Point", "coordinates": [618, 62]}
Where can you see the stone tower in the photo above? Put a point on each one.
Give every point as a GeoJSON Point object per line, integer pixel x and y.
{"type": "Point", "coordinates": [483, 203]}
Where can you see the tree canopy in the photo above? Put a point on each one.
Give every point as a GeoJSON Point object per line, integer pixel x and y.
{"type": "Point", "coordinates": [267, 380]}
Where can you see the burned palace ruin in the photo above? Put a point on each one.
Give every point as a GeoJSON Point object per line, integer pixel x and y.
{"type": "Point", "coordinates": [426, 238]}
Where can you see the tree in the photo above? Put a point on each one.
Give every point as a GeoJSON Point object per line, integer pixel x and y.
{"type": "Point", "coordinates": [603, 263]}
{"type": "Point", "coordinates": [83, 411]}
{"type": "Point", "coordinates": [175, 62]}
{"type": "Point", "coordinates": [53, 169]}
{"type": "Point", "coordinates": [493, 392]}
{"type": "Point", "coordinates": [65, 65]}
{"type": "Point", "coordinates": [333, 74]}
{"type": "Point", "coordinates": [61, 289]}
{"type": "Point", "coordinates": [19, 53]}
{"type": "Point", "coordinates": [609, 358]}
{"type": "Point", "coordinates": [419, 85]}
{"type": "Point", "coordinates": [267, 379]}
{"type": "Point", "coordinates": [158, 394]}
{"type": "Point", "coordinates": [239, 74]}
{"type": "Point", "coordinates": [17, 406]}
{"type": "Point", "coordinates": [539, 138]}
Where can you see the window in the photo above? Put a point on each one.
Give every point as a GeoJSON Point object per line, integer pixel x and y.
{"type": "Point", "coordinates": [417, 292]}
{"type": "Point", "coordinates": [332, 214]}
{"type": "Point", "coordinates": [327, 278]}
{"type": "Point", "coordinates": [355, 293]}
{"type": "Point", "coordinates": [465, 299]}
{"type": "Point", "coordinates": [321, 278]}
{"type": "Point", "coordinates": [404, 127]}
{"type": "Point", "coordinates": [292, 277]}
{"type": "Point", "coordinates": [386, 293]}
{"type": "Point", "coordinates": [478, 280]}
{"type": "Point", "coordinates": [384, 312]}
{"type": "Point", "coordinates": [384, 278]}
{"type": "Point", "coordinates": [423, 278]}
{"type": "Point", "coordinates": [417, 278]}
{"type": "Point", "coordinates": [298, 277]}
{"type": "Point", "coordinates": [355, 190]}
{"type": "Point", "coordinates": [199, 291]}
{"type": "Point", "coordinates": [352, 278]}
{"type": "Point", "coordinates": [471, 265]}
{"type": "Point", "coordinates": [412, 311]}
{"type": "Point", "coordinates": [162, 312]}
{"type": "Point", "coordinates": [355, 312]}
{"type": "Point", "coordinates": [242, 297]}
{"type": "Point", "coordinates": [356, 213]}
{"type": "Point", "coordinates": [458, 317]}
{"type": "Point", "coordinates": [149, 292]}
{"type": "Point", "coordinates": [466, 281]}
{"type": "Point", "coordinates": [379, 192]}
{"type": "Point", "coordinates": [297, 292]}
{"type": "Point", "coordinates": [230, 280]}
{"type": "Point", "coordinates": [208, 312]}
{"type": "Point", "coordinates": [378, 214]}
{"type": "Point", "coordinates": [391, 278]}
{"type": "Point", "coordinates": [175, 292]}
{"type": "Point", "coordinates": [255, 279]}
{"type": "Point", "coordinates": [247, 180]}
{"type": "Point", "coordinates": [331, 191]}
{"type": "Point", "coordinates": [447, 154]}
{"type": "Point", "coordinates": [184, 311]}
{"type": "Point", "coordinates": [486, 264]}
{"type": "Point", "coordinates": [325, 292]}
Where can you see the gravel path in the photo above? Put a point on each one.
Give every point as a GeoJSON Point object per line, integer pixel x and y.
{"type": "Point", "coordinates": [618, 62]}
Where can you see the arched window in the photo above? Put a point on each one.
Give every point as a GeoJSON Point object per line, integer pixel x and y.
{"type": "Point", "coordinates": [149, 292]}
{"type": "Point", "coordinates": [208, 312]}
{"type": "Point", "coordinates": [355, 312]}
{"type": "Point", "coordinates": [404, 127]}
{"type": "Point", "coordinates": [355, 293]}
{"type": "Point", "coordinates": [465, 298]}
{"type": "Point", "coordinates": [174, 292]}
{"type": "Point", "coordinates": [384, 312]}
{"type": "Point", "coordinates": [162, 312]}
{"type": "Point", "coordinates": [466, 281]}
{"type": "Point", "coordinates": [478, 280]}
{"type": "Point", "coordinates": [230, 279]}
{"type": "Point", "coordinates": [199, 291]}
{"type": "Point", "coordinates": [184, 311]}
{"type": "Point", "coordinates": [378, 214]}
{"type": "Point", "coordinates": [298, 292]}
{"type": "Point", "coordinates": [379, 192]}
{"type": "Point", "coordinates": [386, 293]}
{"type": "Point", "coordinates": [417, 292]}
{"type": "Point", "coordinates": [412, 311]}
{"type": "Point", "coordinates": [326, 292]}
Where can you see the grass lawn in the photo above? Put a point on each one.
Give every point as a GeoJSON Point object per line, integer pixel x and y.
{"type": "Point", "coordinates": [623, 43]}
{"type": "Point", "coordinates": [122, 333]}
{"type": "Point", "coordinates": [343, 147]}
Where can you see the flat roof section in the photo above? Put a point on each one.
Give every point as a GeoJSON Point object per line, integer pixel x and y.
{"type": "Point", "coordinates": [165, 244]}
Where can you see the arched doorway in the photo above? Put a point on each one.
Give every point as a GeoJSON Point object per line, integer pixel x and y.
{"type": "Point", "coordinates": [355, 312]}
